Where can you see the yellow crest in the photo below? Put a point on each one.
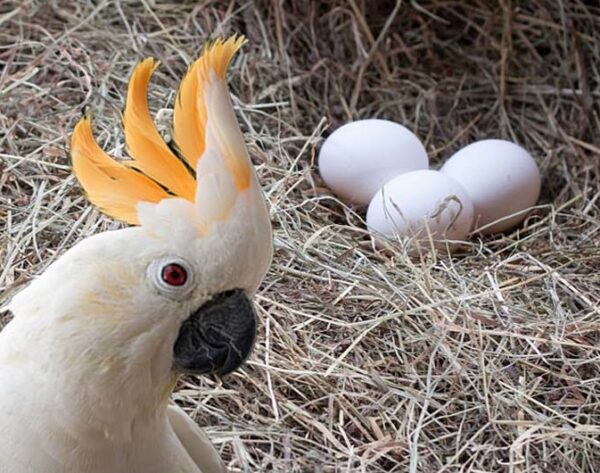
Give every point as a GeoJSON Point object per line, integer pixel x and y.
{"type": "Point", "coordinates": [155, 172]}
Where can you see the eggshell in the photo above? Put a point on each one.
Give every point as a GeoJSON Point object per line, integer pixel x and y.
{"type": "Point", "coordinates": [502, 180]}
{"type": "Point", "coordinates": [359, 157]}
{"type": "Point", "coordinates": [419, 203]}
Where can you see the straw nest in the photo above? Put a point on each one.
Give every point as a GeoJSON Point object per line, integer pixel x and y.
{"type": "Point", "coordinates": [488, 361]}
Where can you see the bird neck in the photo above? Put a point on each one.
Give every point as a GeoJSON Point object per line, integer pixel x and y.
{"type": "Point", "coordinates": [110, 391]}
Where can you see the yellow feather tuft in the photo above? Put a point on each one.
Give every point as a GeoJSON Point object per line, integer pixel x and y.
{"type": "Point", "coordinates": [190, 116]}
{"type": "Point", "coordinates": [155, 172]}
{"type": "Point", "coordinates": [218, 55]}
{"type": "Point", "coordinates": [189, 119]}
{"type": "Point", "coordinates": [151, 154]}
{"type": "Point", "coordinates": [113, 187]}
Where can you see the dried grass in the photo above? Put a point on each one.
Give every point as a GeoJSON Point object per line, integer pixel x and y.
{"type": "Point", "coordinates": [486, 362]}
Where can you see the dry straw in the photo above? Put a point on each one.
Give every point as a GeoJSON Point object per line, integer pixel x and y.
{"type": "Point", "coordinates": [366, 361]}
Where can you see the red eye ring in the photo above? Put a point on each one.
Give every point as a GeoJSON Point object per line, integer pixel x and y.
{"type": "Point", "coordinates": [174, 274]}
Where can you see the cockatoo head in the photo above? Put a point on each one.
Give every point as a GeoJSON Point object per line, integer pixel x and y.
{"type": "Point", "coordinates": [177, 285]}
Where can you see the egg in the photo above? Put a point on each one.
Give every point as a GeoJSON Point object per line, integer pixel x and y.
{"type": "Point", "coordinates": [502, 180]}
{"type": "Point", "coordinates": [361, 156]}
{"type": "Point", "coordinates": [418, 204]}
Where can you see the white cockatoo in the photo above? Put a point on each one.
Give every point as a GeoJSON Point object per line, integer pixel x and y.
{"type": "Point", "coordinates": [90, 358]}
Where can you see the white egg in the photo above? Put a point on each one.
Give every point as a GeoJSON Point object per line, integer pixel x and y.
{"type": "Point", "coordinates": [359, 157]}
{"type": "Point", "coordinates": [420, 204]}
{"type": "Point", "coordinates": [502, 180]}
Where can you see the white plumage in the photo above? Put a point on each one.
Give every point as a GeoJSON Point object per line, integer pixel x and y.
{"type": "Point", "coordinates": [88, 363]}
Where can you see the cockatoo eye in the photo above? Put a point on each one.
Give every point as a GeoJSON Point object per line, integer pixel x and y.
{"type": "Point", "coordinates": [174, 274]}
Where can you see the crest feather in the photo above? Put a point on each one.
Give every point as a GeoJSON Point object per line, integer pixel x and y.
{"type": "Point", "coordinates": [155, 172]}
{"type": "Point", "coordinates": [150, 153]}
{"type": "Point", "coordinates": [189, 113]}
{"type": "Point", "coordinates": [110, 185]}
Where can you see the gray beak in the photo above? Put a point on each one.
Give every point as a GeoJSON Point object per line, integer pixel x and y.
{"type": "Point", "coordinates": [218, 337]}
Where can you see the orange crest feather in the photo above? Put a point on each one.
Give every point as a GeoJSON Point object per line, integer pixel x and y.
{"type": "Point", "coordinates": [155, 172]}
{"type": "Point", "coordinates": [189, 113]}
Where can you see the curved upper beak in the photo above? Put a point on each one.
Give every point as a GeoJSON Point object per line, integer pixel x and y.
{"type": "Point", "coordinates": [218, 337]}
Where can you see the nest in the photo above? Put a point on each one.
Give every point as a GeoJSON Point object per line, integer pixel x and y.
{"type": "Point", "coordinates": [367, 361]}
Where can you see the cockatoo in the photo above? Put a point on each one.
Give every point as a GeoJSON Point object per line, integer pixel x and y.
{"type": "Point", "coordinates": [96, 344]}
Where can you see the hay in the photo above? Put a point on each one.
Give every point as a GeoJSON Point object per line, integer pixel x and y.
{"type": "Point", "coordinates": [366, 361]}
